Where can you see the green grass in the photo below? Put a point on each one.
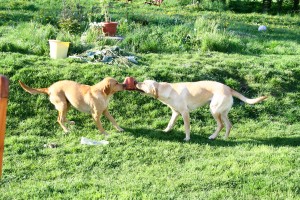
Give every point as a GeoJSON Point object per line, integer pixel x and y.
{"type": "Point", "coordinates": [174, 42]}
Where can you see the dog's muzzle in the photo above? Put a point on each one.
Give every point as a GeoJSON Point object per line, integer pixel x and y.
{"type": "Point", "coordinates": [142, 91]}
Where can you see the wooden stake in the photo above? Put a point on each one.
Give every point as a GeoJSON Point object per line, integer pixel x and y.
{"type": "Point", "coordinates": [3, 107]}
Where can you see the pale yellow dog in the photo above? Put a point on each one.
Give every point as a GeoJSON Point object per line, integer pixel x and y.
{"type": "Point", "coordinates": [187, 96]}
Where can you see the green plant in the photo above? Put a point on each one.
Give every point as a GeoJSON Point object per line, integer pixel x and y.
{"type": "Point", "coordinates": [106, 6]}
{"type": "Point", "coordinates": [73, 17]}
{"type": "Point", "coordinates": [69, 24]}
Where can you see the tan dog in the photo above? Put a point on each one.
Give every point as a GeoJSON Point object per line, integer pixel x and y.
{"type": "Point", "coordinates": [185, 97]}
{"type": "Point", "coordinates": [89, 99]}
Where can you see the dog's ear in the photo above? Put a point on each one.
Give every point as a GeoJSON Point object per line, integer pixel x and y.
{"type": "Point", "coordinates": [106, 89]}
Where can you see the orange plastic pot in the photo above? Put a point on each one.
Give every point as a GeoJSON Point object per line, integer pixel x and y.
{"type": "Point", "coordinates": [130, 83]}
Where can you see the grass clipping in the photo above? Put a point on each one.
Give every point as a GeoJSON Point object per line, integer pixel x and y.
{"type": "Point", "coordinates": [107, 54]}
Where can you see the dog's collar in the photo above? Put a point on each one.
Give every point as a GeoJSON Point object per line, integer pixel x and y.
{"type": "Point", "coordinates": [156, 93]}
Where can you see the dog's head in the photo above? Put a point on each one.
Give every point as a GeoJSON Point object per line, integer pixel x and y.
{"type": "Point", "coordinates": [148, 87]}
{"type": "Point", "coordinates": [112, 86]}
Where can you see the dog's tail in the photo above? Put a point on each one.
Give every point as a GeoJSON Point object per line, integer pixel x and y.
{"type": "Point", "coordinates": [34, 90]}
{"type": "Point", "coordinates": [245, 99]}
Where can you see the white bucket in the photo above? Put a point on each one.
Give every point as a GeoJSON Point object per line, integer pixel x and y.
{"type": "Point", "coordinates": [58, 49]}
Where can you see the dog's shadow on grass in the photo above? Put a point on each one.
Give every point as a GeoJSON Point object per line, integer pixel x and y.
{"type": "Point", "coordinates": [178, 136]}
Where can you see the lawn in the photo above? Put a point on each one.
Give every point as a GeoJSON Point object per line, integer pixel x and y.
{"type": "Point", "coordinates": [174, 42]}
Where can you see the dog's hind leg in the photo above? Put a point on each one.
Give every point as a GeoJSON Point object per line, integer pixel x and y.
{"type": "Point", "coordinates": [228, 125]}
{"type": "Point", "coordinates": [217, 117]}
{"type": "Point", "coordinates": [172, 121]}
{"type": "Point", "coordinates": [62, 119]}
{"type": "Point", "coordinates": [61, 105]}
{"type": "Point", "coordinates": [69, 122]}
{"type": "Point", "coordinates": [219, 108]}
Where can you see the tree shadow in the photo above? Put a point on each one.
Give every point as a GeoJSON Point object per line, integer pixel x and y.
{"type": "Point", "coordinates": [15, 17]}
{"type": "Point", "coordinates": [19, 6]}
{"type": "Point", "coordinates": [178, 136]}
{"type": "Point", "coordinates": [279, 141]}
{"type": "Point", "coordinates": [278, 33]}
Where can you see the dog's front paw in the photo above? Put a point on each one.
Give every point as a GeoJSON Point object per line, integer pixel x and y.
{"type": "Point", "coordinates": [166, 130]}
{"type": "Point", "coordinates": [66, 131]}
{"type": "Point", "coordinates": [212, 137]}
{"type": "Point", "coordinates": [71, 122]}
{"type": "Point", "coordinates": [105, 133]}
{"type": "Point", "coordinates": [187, 139]}
{"type": "Point", "coordinates": [120, 129]}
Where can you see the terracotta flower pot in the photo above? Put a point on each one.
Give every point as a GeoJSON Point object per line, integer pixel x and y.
{"type": "Point", "coordinates": [109, 28]}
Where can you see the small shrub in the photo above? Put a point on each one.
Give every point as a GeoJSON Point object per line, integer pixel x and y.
{"type": "Point", "coordinates": [92, 35]}
{"type": "Point", "coordinates": [221, 43]}
{"type": "Point", "coordinates": [73, 17]}
{"type": "Point", "coordinates": [69, 24]}
{"type": "Point", "coordinates": [204, 24]}
{"type": "Point", "coordinates": [210, 37]}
